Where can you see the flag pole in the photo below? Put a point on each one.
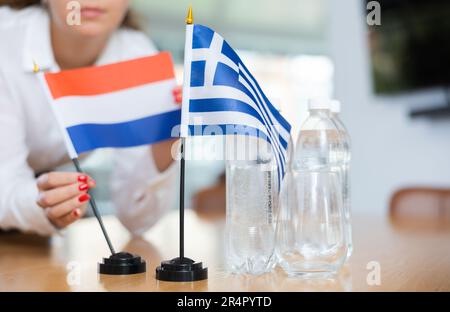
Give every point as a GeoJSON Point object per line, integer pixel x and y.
{"type": "Point", "coordinates": [182, 177]}
{"type": "Point", "coordinates": [95, 210]}
{"type": "Point", "coordinates": [183, 269]}
{"type": "Point", "coordinates": [120, 263]}
{"type": "Point", "coordinates": [189, 21]}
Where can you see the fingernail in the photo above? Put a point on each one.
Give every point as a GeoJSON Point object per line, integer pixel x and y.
{"type": "Point", "coordinates": [40, 198]}
{"type": "Point", "coordinates": [76, 213]}
{"type": "Point", "coordinates": [84, 197]}
{"type": "Point", "coordinates": [83, 187]}
{"type": "Point", "coordinates": [43, 178]}
{"type": "Point", "coordinates": [82, 178]}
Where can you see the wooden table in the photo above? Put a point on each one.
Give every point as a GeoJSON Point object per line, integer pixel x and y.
{"type": "Point", "coordinates": [409, 260]}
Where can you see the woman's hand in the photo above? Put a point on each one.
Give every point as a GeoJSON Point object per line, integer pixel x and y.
{"type": "Point", "coordinates": [64, 196]}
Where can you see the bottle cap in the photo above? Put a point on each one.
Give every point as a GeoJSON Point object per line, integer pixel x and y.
{"type": "Point", "coordinates": [319, 103]}
{"type": "Point", "coordinates": [335, 106]}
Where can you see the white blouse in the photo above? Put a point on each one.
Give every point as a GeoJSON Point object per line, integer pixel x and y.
{"type": "Point", "coordinates": [31, 142]}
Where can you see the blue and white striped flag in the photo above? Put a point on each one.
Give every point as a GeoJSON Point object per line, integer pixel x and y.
{"type": "Point", "coordinates": [220, 91]}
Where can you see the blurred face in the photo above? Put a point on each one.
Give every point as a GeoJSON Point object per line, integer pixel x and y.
{"type": "Point", "coordinates": [96, 17]}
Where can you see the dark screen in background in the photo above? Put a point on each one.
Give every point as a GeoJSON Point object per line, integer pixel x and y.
{"type": "Point", "coordinates": [411, 48]}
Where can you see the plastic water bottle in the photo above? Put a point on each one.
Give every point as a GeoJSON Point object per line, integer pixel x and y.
{"type": "Point", "coordinates": [345, 158]}
{"type": "Point", "coordinates": [314, 239]}
{"type": "Point", "coordinates": [252, 202]}
{"type": "Point", "coordinates": [285, 233]}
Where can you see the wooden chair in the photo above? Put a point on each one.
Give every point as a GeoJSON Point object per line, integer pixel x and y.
{"type": "Point", "coordinates": [421, 207]}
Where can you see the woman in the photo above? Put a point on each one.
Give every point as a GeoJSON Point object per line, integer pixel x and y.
{"type": "Point", "coordinates": [35, 34]}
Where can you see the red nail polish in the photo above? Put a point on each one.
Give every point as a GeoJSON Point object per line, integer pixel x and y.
{"type": "Point", "coordinates": [76, 213]}
{"type": "Point", "coordinates": [83, 187]}
{"type": "Point", "coordinates": [84, 197]}
{"type": "Point", "coordinates": [82, 178]}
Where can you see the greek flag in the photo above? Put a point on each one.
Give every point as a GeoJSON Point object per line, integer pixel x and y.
{"type": "Point", "coordinates": [220, 91]}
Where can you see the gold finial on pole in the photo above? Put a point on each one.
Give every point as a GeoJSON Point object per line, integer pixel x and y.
{"type": "Point", "coordinates": [189, 17]}
{"type": "Point", "coordinates": [35, 67]}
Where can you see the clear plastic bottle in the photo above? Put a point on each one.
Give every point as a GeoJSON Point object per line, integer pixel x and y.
{"type": "Point", "coordinates": [251, 204]}
{"type": "Point", "coordinates": [313, 240]}
{"type": "Point", "coordinates": [285, 230]}
{"type": "Point", "coordinates": [335, 109]}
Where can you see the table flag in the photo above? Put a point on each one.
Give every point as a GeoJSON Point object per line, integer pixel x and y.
{"type": "Point", "coordinates": [123, 104]}
{"type": "Point", "coordinates": [221, 92]}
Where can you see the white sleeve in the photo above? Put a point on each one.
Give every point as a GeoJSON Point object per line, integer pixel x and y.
{"type": "Point", "coordinates": [18, 190]}
{"type": "Point", "coordinates": [141, 194]}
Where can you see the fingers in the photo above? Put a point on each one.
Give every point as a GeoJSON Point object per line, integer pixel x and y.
{"type": "Point", "coordinates": [57, 179]}
{"type": "Point", "coordinates": [64, 196]}
{"type": "Point", "coordinates": [69, 218]}
{"type": "Point", "coordinates": [58, 195]}
{"type": "Point", "coordinates": [178, 94]}
{"type": "Point", "coordinates": [67, 207]}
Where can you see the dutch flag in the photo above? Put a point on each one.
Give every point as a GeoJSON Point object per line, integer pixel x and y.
{"type": "Point", "coordinates": [124, 104]}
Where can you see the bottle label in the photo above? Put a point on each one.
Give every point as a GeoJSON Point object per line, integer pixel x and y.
{"type": "Point", "coordinates": [269, 199]}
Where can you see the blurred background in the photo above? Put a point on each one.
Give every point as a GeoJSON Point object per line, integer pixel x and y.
{"type": "Point", "coordinates": [392, 79]}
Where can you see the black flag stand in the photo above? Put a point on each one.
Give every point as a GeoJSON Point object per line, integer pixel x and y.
{"type": "Point", "coordinates": [120, 263]}
{"type": "Point", "coordinates": [181, 269]}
